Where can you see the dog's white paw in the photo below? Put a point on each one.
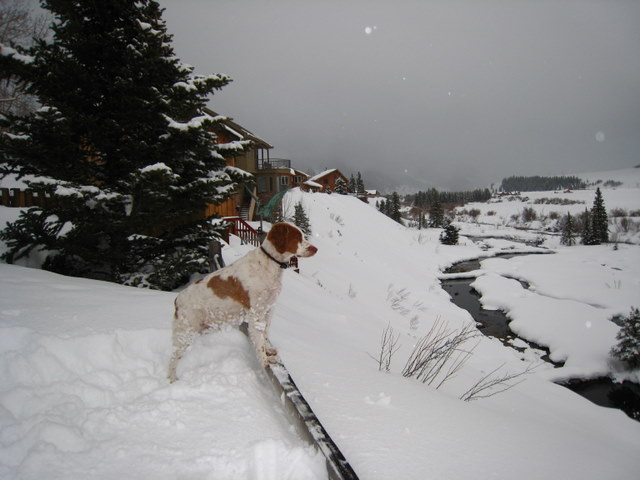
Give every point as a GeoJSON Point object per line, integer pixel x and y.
{"type": "Point", "coordinates": [271, 352]}
{"type": "Point", "coordinates": [270, 356]}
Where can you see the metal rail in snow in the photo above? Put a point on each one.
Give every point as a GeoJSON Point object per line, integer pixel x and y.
{"type": "Point", "coordinates": [308, 424]}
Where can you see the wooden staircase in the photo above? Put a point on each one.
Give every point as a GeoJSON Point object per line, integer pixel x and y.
{"type": "Point", "coordinates": [240, 228]}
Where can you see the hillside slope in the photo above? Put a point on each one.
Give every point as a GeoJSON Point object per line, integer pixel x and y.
{"type": "Point", "coordinates": [371, 272]}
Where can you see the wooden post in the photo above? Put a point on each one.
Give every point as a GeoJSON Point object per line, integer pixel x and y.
{"type": "Point", "coordinates": [28, 198]}
{"type": "Point", "coordinates": [6, 197]}
{"type": "Point", "coordinates": [216, 262]}
{"type": "Point", "coordinates": [16, 196]}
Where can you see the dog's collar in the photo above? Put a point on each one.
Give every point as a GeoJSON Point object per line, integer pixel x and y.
{"type": "Point", "coordinates": [282, 264]}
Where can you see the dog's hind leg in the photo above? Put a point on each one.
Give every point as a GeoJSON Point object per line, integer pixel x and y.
{"type": "Point", "coordinates": [179, 348]}
{"type": "Point", "coordinates": [183, 336]}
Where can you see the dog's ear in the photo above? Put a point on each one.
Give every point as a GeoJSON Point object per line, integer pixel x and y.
{"type": "Point", "coordinates": [285, 237]}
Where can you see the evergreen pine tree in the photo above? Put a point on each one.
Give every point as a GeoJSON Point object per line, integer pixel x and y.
{"type": "Point", "coordinates": [394, 208]}
{"type": "Point", "coordinates": [568, 231]}
{"type": "Point", "coordinates": [600, 222]}
{"type": "Point", "coordinates": [449, 235]}
{"type": "Point", "coordinates": [352, 185]}
{"type": "Point", "coordinates": [359, 185]}
{"type": "Point", "coordinates": [301, 220]}
{"type": "Point", "coordinates": [628, 346]}
{"type": "Point", "coordinates": [436, 213]}
{"type": "Point", "coordinates": [341, 187]}
{"type": "Point", "coordinates": [587, 230]}
{"type": "Point", "coordinates": [120, 143]}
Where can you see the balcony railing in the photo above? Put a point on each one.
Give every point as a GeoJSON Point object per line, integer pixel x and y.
{"type": "Point", "coordinates": [269, 163]}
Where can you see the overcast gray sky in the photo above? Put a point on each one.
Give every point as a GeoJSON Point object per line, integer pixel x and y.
{"type": "Point", "coordinates": [446, 93]}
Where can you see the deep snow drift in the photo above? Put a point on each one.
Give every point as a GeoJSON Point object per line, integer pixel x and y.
{"type": "Point", "coordinates": [83, 391]}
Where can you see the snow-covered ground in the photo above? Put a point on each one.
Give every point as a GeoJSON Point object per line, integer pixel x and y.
{"type": "Point", "coordinates": [83, 392]}
{"type": "Point", "coordinates": [496, 217]}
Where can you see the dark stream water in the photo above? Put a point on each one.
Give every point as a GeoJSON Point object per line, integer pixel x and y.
{"type": "Point", "coordinates": [494, 323]}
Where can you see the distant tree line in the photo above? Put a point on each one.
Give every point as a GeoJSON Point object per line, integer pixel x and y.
{"type": "Point", "coordinates": [538, 184]}
{"type": "Point", "coordinates": [428, 197]}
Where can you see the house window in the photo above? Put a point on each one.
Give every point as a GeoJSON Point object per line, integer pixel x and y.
{"type": "Point", "coordinates": [263, 184]}
{"type": "Point", "coordinates": [284, 181]}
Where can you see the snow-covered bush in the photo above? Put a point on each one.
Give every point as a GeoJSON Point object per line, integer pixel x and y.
{"type": "Point", "coordinates": [628, 347]}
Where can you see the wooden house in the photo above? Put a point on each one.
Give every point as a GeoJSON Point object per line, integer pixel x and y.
{"type": "Point", "coordinates": [242, 203]}
{"type": "Point", "coordinates": [275, 175]}
{"type": "Point", "coordinates": [326, 180]}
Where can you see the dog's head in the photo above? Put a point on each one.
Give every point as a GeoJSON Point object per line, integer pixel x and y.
{"type": "Point", "coordinates": [285, 240]}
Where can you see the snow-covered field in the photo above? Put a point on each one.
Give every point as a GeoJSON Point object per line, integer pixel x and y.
{"type": "Point", "coordinates": [496, 217]}
{"type": "Point", "coordinates": [83, 392]}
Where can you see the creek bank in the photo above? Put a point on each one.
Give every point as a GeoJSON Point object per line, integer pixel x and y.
{"type": "Point", "coordinates": [495, 323]}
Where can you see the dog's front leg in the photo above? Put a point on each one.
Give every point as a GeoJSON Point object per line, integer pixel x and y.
{"type": "Point", "coordinates": [258, 326]}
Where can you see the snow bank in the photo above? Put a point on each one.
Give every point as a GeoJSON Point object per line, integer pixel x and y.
{"type": "Point", "coordinates": [573, 296]}
{"type": "Point", "coordinates": [84, 392]}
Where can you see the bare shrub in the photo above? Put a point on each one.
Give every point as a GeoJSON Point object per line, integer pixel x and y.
{"type": "Point", "coordinates": [439, 352]}
{"type": "Point", "coordinates": [625, 225]}
{"type": "Point", "coordinates": [439, 355]}
{"type": "Point", "coordinates": [612, 183]}
{"type": "Point", "coordinates": [618, 212]}
{"type": "Point", "coordinates": [528, 214]}
{"type": "Point", "coordinates": [557, 201]}
{"type": "Point", "coordinates": [490, 385]}
{"type": "Point", "coordinates": [388, 346]}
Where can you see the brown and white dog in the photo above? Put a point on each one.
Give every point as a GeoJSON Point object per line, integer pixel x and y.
{"type": "Point", "coordinates": [245, 291]}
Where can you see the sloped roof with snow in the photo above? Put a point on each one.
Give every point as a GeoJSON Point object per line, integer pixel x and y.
{"type": "Point", "coordinates": [238, 130]}
{"type": "Point", "coordinates": [325, 173]}
{"type": "Point", "coordinates": [313, 184]}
